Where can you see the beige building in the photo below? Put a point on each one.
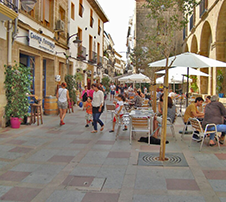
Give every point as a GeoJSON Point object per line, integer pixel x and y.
{"type": "Point", "coordinates": [38, 38]}
{"type": "Point", "coordinates": [206, 35]}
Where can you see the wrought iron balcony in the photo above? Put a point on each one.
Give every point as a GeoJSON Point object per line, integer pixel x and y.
{"type": "Point", "coordinates": [10, 5]}
{"type": "Point", "coordinates": [8, 10]}
{"type": "Point", "coordinates": [81, 53]}
{"type": "Point", "coordinates": [99, 61]}
{"type": "Point", "coordinates": [92, 57]}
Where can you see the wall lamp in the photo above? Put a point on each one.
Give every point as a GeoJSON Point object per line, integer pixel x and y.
{"type": "Point", "coordinates": [77, 40]}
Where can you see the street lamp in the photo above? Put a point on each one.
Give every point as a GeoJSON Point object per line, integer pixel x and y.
{"type": "Point", "coordinates": [77, 40]}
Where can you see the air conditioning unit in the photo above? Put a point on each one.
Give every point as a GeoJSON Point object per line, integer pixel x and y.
{"type": "Point", "coordinates": [60, 25]}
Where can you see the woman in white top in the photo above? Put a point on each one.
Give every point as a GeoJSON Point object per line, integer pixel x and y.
{"type": "Point", "coordinates": [63, 99]}
{"type": "Point", "coordinates": [98, 106]}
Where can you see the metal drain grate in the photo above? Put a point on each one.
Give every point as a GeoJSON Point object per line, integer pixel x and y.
{"type": "Point", "coordinates": [152, 159]}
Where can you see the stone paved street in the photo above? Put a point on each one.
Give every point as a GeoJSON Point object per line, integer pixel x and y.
{"type": "Point", "coordinates": [70, 164]}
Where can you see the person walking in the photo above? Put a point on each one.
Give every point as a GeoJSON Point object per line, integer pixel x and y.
{"type": "Point", "coordinates": [98, 106]}
{"type": "Point", "coordinates": [84, 96]}
{"type": "Point", "coordinates": [63, 99]}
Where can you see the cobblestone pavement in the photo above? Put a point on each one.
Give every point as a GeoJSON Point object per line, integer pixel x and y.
{"type": "Point", "coordinates": [71, 164]}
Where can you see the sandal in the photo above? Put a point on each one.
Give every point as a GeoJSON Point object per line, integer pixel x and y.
{"type": "Point", "coordinates": [111, 131]}
{"type": "Point", "coordinates": [94, 131]}
{"type": "Point", "coordinates": [102, 128]}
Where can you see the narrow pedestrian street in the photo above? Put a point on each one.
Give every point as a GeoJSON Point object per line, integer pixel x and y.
{"type": "Point", "coordinates": [70, 164]}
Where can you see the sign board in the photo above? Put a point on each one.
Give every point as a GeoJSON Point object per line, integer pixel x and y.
{"type": "Point", "coordinates": [42, 43]}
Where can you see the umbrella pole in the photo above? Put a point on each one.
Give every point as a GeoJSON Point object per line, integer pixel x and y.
{"type": "Point", "coordinates": [187, 86]}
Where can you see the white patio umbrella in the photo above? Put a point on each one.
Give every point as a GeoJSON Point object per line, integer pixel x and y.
{"type": "Point", "coordinates": [189, 60]}
{"type": "Point", "coordinates": [173, 79]}
{"type": "Point", "coordinates": [183, 71]}
{"type": "Point", "coordinates": [138, 78]}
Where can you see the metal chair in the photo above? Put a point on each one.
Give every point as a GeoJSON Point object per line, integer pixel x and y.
{"type": "Point", "coordinates": [124, 120]}
{"type": "Point", "coordinates": [170, 124]}
{"type": "Point", "coordinates": [110, 108]}
{"type": "Point", "coordinates": [141, 124]}
{"type": "Point", "coordinates": [210, 128]}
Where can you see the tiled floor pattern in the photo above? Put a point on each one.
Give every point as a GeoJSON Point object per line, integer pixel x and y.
{"type": "Point", "coordinates": [68, 163]}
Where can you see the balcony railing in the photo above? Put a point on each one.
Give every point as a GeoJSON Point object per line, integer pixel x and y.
{"type": "Point", "coordinates": [81, 53]}
{"type": "Point", "coordinates": [10, 5]}
{"type": "Point", "coordinates": [92, 57]}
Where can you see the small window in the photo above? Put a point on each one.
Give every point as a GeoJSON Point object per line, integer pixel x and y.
{"type": "Point", "coordinates": [81, 8]}
{"type": "Point", "coordinates": [46, 12]}
{"type": "Point", "coordinates": [62, 13]}
{"type": "Point", "coordinates": [72, 11]}
{"type": "Point", "coordinates": [91, 18]}
{"type": "Point", "coordinates": [99, 27]}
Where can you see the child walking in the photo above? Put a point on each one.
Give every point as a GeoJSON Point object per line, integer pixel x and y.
{"type": "Point", "coordinates": [118, 111]}
{"type": "Point", "coordinates": [88, 108]}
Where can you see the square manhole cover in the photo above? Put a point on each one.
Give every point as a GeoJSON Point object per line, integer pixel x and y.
{"type": "Point", "coordinates": [172, 160]}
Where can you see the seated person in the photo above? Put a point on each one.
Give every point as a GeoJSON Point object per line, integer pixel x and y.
{"type": "Point", "coordinates": [192, 112]}
{"type": "Point", "coordinates": [171, 114]}
{"type": "Point", "coordinates": [137, 100]}
{"type": "Point", "coordinates": [160, 105]}
{"type": "Point", "coordinates": [215, 112]}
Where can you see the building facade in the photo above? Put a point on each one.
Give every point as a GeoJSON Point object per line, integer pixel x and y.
{"type": "Point", "coordinates": [86, 20]}
{"type": "Point", "coordinates": [206, 35]}
{"type": "Point", "coordinates": [41, 38]}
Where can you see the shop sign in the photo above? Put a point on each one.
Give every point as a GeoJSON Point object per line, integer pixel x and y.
{"type": "Point", "coordinates": [42, 43]}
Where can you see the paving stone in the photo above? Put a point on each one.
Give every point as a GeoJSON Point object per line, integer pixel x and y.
{"type": "Point", "coordinates": [215, 174]}
{"type": "Point", "coordinates": [66, 196]}
{"type": "Point", "coordinates": [62, 159]}
{"type": "Point", "coordinates": [21, 150]}
{"type": "Point", "coordinates": [95, 157]}
{"type": "Point", "coordinates": [100, 197]}
{"type": "Point", "coordinates": [16, 176]}
{"type": "Point", "coordinates": [20, 194]}
{"type": "Point", "coordinates": [118, 155]}
{"type": "Point", "coordinates": [182, 184]}
{"type": "Point", "coordinates": [43, 174]}
{"type": "Point", "coordinates": [4, 189]}
{"type": "Point", "coordinates": [218, 185]}
{"type": "Point", "coordinates": [43, 155]}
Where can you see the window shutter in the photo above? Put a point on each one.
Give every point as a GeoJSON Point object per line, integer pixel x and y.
{"type": "Point", "coordinates": [47, 10]}
{"type": "Point", "coordinates": [42, 8]}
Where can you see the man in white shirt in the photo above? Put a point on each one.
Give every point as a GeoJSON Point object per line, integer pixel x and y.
{"type": "Point", "coordinates": [112, 87]}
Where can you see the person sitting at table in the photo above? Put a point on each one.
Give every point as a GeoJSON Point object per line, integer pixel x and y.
{"type": "Point", "coordinates": [215, 112]}
{"type": "Point", "coordinates": [160, 105]}
{"type": "Point", "coordinates": [137, 100]}
{"type": "Point", "coordinates": [192, 112]}
{"type": "Point", "coordinates": [171, 114]}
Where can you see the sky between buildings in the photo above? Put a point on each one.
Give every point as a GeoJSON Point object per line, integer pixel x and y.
{"type": "Point", "coordinates": [118, 13]}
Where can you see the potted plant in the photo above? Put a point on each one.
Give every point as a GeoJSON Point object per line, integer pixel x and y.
{"type": "Point", "coordinates": [71, 83]}
{"type": "Point", "coordinates": [220, 79]}
{"type": "Point", "coordinates": [17, 83]}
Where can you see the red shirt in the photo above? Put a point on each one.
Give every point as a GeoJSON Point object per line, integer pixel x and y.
{"type": "Point", "coordinates": [88, 107]}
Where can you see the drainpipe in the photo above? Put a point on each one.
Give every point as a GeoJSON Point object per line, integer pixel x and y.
{"type": "Point", "coordinates": [9, 36]}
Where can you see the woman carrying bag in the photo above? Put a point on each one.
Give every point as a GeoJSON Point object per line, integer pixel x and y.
{"type": "Point", "coordinates": [63, 99]}
{"type": "Point", "coordinates": [98, 107]}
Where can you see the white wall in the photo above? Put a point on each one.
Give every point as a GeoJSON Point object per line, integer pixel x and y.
{"type": "Point", "coordinates": [82, 23]}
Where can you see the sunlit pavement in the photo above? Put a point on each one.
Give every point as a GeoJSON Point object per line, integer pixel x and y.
{"type": "Point", "coordinates": [70, 164]}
